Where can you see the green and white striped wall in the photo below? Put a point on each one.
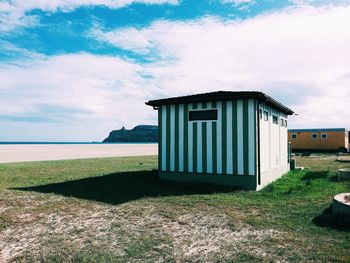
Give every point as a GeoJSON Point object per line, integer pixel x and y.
{"type": "Point", "coordinates": [224, 146]}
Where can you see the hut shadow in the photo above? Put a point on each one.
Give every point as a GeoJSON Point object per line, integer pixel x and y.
{"type": "Point", "coordinates": [327, 220]}
{"type": "Point", "coordinates": [310, 175]}
{"type": "Point", "coordinates": [118, 188]}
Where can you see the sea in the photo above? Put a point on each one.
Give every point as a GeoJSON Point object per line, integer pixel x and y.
{"type": "Point", "coordinates": [77, 143]}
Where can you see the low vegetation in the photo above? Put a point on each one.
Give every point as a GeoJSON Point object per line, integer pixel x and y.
{"type": "Point", "coordinates": [116, 210]}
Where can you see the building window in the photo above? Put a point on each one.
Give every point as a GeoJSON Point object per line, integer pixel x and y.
{"type": "Point", "coordinates": [203, 115]}
{"type": "Point", "coordinates": [266, 116]}
{"type": "Point", "coordinates": [282, 122]}
{"type": "Point", "coordinates": [314, 136]}
{"type": "Point", "coordinates": [294, 135]}
{"type": "Point", "coordinates": [285, 123]}
{"type": "Point", "coordinates": [323, 135]}
{"type": "Point", "coordinates": [260, 114]}
{"type": "Point", "coordinates": [275, 119]}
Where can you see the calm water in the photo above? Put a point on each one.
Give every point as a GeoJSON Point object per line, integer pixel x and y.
{"type": "Point", "coordinates": [76, 142]}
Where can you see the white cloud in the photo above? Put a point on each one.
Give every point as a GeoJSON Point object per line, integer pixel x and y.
{"type": "Point", "coordinates": [55, 5]}
{"type": "Point", "coordinates": [13, 13]}
{"type": "Point", "coordinates": [299, 54]}
{"type": "Point", "coordinates": [136, 40]}
{"type": "Point", "coordinates": [9, 50]}
{"type": "Point", "coordinates": [301, 2]}
{"type": "Point", "coordinates": [80, 90]}
{"type": "Point", "coordinates": [237, 2]}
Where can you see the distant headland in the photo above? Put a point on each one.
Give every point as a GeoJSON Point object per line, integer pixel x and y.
{"type": "Point", "coordinates": [140, 133]}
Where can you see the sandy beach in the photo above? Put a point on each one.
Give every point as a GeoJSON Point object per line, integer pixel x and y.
{"type": "Point", "coordinates": [42, 152]}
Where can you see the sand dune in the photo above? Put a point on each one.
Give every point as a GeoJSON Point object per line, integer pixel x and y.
{"type": "Point", "coordinates": [41, 152]}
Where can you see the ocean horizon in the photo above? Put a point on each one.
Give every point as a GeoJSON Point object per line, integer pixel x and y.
{"type": "Point", "coordinates": [2, 143]}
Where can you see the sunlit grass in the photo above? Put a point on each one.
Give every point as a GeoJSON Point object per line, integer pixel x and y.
{"type": "Point", "coordinates": [116, 210]}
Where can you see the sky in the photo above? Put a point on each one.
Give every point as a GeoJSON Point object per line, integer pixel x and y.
{"type": "Point", "coordinates": [73, 70]}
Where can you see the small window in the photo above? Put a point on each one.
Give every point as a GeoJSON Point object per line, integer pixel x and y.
{"type": "Point", "coordinates": [203, 115]}
{"type": "Point", "coordinates": [285, 123]}
{"type": "Point", "coordinates": [282, 122]}
{"type": "Point", "coordinates": [323, 135]}
{"type": "Point", "coordinates": [294, 135]}
{"type": "Point", "coordinates": [275, 119]}
{"type": "Point", "coordinates": [260, 114]}
{"type": "Point", "coordinates": [314, 136]}
{"type": "Point", "coordinates": [266, 116]}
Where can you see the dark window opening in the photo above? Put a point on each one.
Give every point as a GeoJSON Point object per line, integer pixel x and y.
{"type": "Point", "coordinates": [203, 115]}
{"type": "Point", "coordinates": [324, 136]}
{"type": "Point", "coordinates": [294, 135]}
{"type": "Point", "coordinates": [314, 136]}
{"type": "Point", "coordinates": [275, 119]}
{"type": "Point", "coordinates": [266, 116]}
{"type": "Point", "coordinates": [281, 122]}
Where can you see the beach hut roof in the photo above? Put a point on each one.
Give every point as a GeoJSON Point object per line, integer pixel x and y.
{"type": "Point", "coordinates": [222, 96]}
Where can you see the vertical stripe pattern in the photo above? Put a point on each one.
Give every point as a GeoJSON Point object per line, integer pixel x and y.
{"type": "Point", "coordinates": [240, 137]}
{"type": "Point", "coordinates": [172, 138]}
{"type": "Point", "coordinates": [190, 142]}
{"type": "Point", "coordinates": [177, 142]}
{"type": "Point", "coordinates": [181, 138]}
{"type": "Point", "coordinates": [229, 132]}
{"type": "Point", "coordinates": [163, 138]}
{"type": "Point", "coordinates": [225, 146]}
{"type": "Point", "coordinates": [219, 139]}
{"type": "Point", "coordinates": [185, 133]}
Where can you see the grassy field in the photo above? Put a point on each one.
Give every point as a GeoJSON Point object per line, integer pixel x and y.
{"type": "Point", "coordinates": [116, 210]}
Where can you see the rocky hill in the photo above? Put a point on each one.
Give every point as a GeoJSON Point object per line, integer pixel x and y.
{"type": "Point", "coordinates": [140, 133]}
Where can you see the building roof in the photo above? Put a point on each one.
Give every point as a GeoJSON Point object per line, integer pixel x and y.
{"type": "Point", "coordinates": [319, 130]}
{"type": "Point", "coordinates": [222, 96]}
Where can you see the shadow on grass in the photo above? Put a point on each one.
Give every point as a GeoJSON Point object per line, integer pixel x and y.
{"type": "Point", "coordinates": [331, 176]}
{"type": "Point", "coordinates": [326, 219]}
{"type": "Point", "coordinates": [122, 187]}
{"type": "Point", "coordinates": [315, 175]}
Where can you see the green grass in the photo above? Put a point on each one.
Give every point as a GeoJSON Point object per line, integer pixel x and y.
{"type": "Point", "coordinates": [28, 174]}
{"type": "Point", "coordinates": [116, 210]}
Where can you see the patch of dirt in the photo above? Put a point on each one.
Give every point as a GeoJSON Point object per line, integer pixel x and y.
{"type": "Point", "coordinates": [194, 234]}
{"type": "Point", "coordinates": [202, 235]}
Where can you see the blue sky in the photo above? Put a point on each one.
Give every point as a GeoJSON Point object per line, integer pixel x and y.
{"type": "Point", "coordinates": [73, 70]}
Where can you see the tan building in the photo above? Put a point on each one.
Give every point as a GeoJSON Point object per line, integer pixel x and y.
{"type": "Point", "coordinates": [319, 140]}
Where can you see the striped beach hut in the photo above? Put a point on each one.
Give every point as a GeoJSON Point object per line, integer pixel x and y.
{"type": "Point", "coordinates": [226, 138]}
